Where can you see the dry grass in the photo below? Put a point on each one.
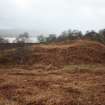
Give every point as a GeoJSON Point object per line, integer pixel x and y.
{"type": "Point", "coordinates": [49, 76]}
{"type": "Point", "coordinates": [71, 85]}
{"type": "Point", "coordinates": [87, 68]}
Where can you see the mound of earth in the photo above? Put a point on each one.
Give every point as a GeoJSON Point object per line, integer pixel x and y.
{"type": "Point", "coordinates": [78, 52]}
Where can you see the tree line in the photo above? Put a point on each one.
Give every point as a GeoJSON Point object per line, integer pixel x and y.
{"type": "Point", "coordinates": [66, 35]}
{"type": "Point", "coordinates": [22, 38]}
{"type": "Point", "coordinates": [24, 52]}
{"type": "Point", "coordinates": [73, 35]}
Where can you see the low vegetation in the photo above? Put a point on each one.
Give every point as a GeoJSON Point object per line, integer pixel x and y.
{"type": "Point", "coordinates": [71, 85]}
{"type": "Point", "coordinates": [74, 35]}
{"type": "Point", "coordinates": [64, 73]}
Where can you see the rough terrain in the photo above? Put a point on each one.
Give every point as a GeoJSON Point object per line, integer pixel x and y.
{"type": "Point", "coordinates": [56, 74]}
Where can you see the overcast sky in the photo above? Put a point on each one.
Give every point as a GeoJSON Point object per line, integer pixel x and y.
{"type": "Point", "coordinates": [52, 16]}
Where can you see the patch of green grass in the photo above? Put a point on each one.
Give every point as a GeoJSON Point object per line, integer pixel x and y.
{"type": "Point", "coordinates": [83, 68]}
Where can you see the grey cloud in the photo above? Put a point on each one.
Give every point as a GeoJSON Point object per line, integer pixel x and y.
{"type": "Point", "coordinates": [53, 16]}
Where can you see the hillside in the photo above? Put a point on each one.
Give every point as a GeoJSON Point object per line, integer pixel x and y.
{"type": "Point", "coordinates": [76, 52]}
{"type": "Point", "coordinates": [67, 73]}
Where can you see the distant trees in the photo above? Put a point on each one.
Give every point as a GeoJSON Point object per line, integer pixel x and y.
{"type": "Point", "coordinates": [22, 38]}
{"type": "Point", "coordinates": [91, 35]}
{"type": "Point", "coordinates": [62, 37]}
{"type": "Point", "coordinates": [66, 35]}
{"type": "Point", "coordinates": [70, 35]}
{"type": "Point", "coordinates": [101, 36]}
{"type": "Point", "coordinates": [41, 39]}
{"type": "Point", "coordinates": [73, 35]}
{"type": "Point", "coordinates": [51, 38]}
{"type": "Point", "coordinates": [2, 40]}
{"type": "Point", "coordinates": [96, 36]}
